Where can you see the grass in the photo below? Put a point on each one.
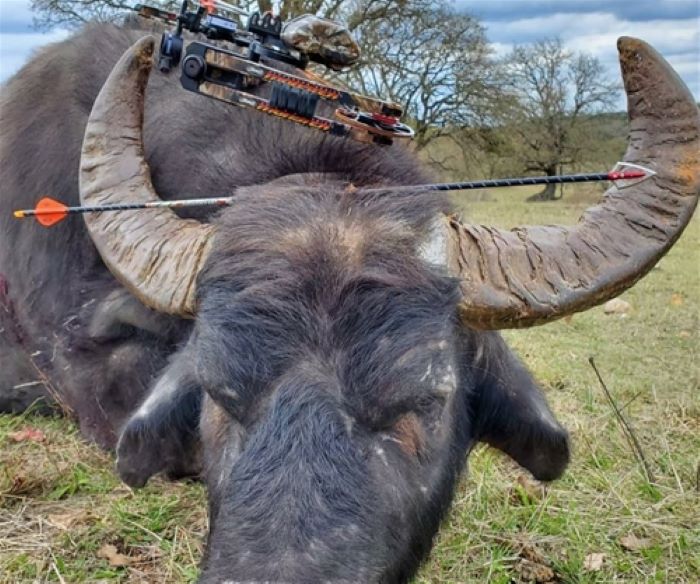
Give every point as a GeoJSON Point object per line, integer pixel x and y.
{"type": "Point", "coordinates": [61, 503]}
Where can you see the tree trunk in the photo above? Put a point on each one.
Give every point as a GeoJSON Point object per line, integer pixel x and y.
{"type": "Point", "coordinates": [549, 193]}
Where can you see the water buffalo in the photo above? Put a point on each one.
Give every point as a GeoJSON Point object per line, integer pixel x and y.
{"type": "Point", "coordinates": [323, 355]}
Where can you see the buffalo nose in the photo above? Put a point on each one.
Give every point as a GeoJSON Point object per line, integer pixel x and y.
{"type": "Point", "coordinates": [300, 504]}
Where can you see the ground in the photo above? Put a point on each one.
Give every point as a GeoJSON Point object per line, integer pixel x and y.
{"type": "Point", "coordinates": [65, 517]}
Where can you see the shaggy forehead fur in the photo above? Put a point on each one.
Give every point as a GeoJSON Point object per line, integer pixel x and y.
{"type": "Point", "coordinates": [307, 272]}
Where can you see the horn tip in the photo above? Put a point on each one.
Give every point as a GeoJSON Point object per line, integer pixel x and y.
{"type": "Point", "coordinates": [635, 54]}
{"type": "Point", "coordinates": [649, 78]}
{"type": "Point", "coordinates": [627, 43]}
{"type": "Point", "coordinates": [144, 47]}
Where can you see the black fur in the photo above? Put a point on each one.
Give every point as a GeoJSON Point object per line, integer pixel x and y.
{"type": "Point", "coordinates": [334, 391]}
{"type": "Point", "coordinates": [165, 436]}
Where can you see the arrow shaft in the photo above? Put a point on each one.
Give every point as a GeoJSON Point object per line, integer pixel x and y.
{"type": "Point", "coordinates": [525, 180]}
{"type": "Point", "coordinates": [521, 181]}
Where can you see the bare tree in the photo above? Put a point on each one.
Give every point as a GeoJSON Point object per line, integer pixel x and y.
{"type": "Point", "coordinates": [554, 92]}
{"type": "Point", "coordinates": [50, 14]}
{"type": "Point", "coordinates": [72, 13]}
{"type": "Point", "coordinates": [432, 60]}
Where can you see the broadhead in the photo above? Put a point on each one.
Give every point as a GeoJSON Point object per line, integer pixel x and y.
{"type": "Point", "coordinates": [626, 174]}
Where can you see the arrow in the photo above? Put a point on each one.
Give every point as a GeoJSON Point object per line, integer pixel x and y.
{"type": "Point", "coordinates": [48, 211]}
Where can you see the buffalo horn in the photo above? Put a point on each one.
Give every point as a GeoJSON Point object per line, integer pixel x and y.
{"type": "Point", "coordinates": [155, 254]}
{"type": "Point", "coordinates": [531, 275]}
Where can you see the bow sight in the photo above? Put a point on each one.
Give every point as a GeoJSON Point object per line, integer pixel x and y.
{"type": "Point", "coordinates": [263, 66]}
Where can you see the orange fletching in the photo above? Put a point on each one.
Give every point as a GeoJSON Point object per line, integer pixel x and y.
{"type": "Point", "coordinates": [49, 211]}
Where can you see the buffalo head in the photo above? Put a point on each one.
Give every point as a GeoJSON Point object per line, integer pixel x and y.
{"type": "Point", "coordinates": [339, 367]}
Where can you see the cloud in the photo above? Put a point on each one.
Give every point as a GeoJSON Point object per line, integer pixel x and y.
{"type": "Point", "coordinates": [15, 16]}
{"type": "Point", "coordinates": [16, 48]}
{"type": "Point", "coordinates": [633, 10]}
{"type": "Point", "coordinates": [18, 38]}
{"type": "Point", "coordinates": [501, 49]}
{"type": "Point", "coordinates": [678, 40]}
{"type": "Point", "coordinates": [678, 43]}
{"type": "Point", "coordinates": [667, 34]}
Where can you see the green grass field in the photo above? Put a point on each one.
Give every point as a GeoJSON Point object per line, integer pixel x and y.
{"type": "Point", "coordinates": [65, 517]}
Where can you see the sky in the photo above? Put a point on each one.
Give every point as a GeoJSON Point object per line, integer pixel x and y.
{"type": "Point", "coordinates": [18, 38]}
{"type": "Point", "coordinates": [671, 26]}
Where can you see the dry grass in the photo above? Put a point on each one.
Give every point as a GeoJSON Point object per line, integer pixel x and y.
{"type": "Point", "coordinates": [60, 502]}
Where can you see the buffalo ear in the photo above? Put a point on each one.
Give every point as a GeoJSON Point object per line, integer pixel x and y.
{"type": "Point", "coordinates": [511, 414]}
{"type": "Point", "coordinates": [163, 434]}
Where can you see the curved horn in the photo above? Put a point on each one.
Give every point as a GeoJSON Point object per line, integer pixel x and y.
{"type": "Point", "coordinates": [156, 255]}
{"type": "Point", "coordinates": [531, 275]}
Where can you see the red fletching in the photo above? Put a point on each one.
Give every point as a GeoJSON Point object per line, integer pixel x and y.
{"type": "Point", "coordinates": [48, 211]}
